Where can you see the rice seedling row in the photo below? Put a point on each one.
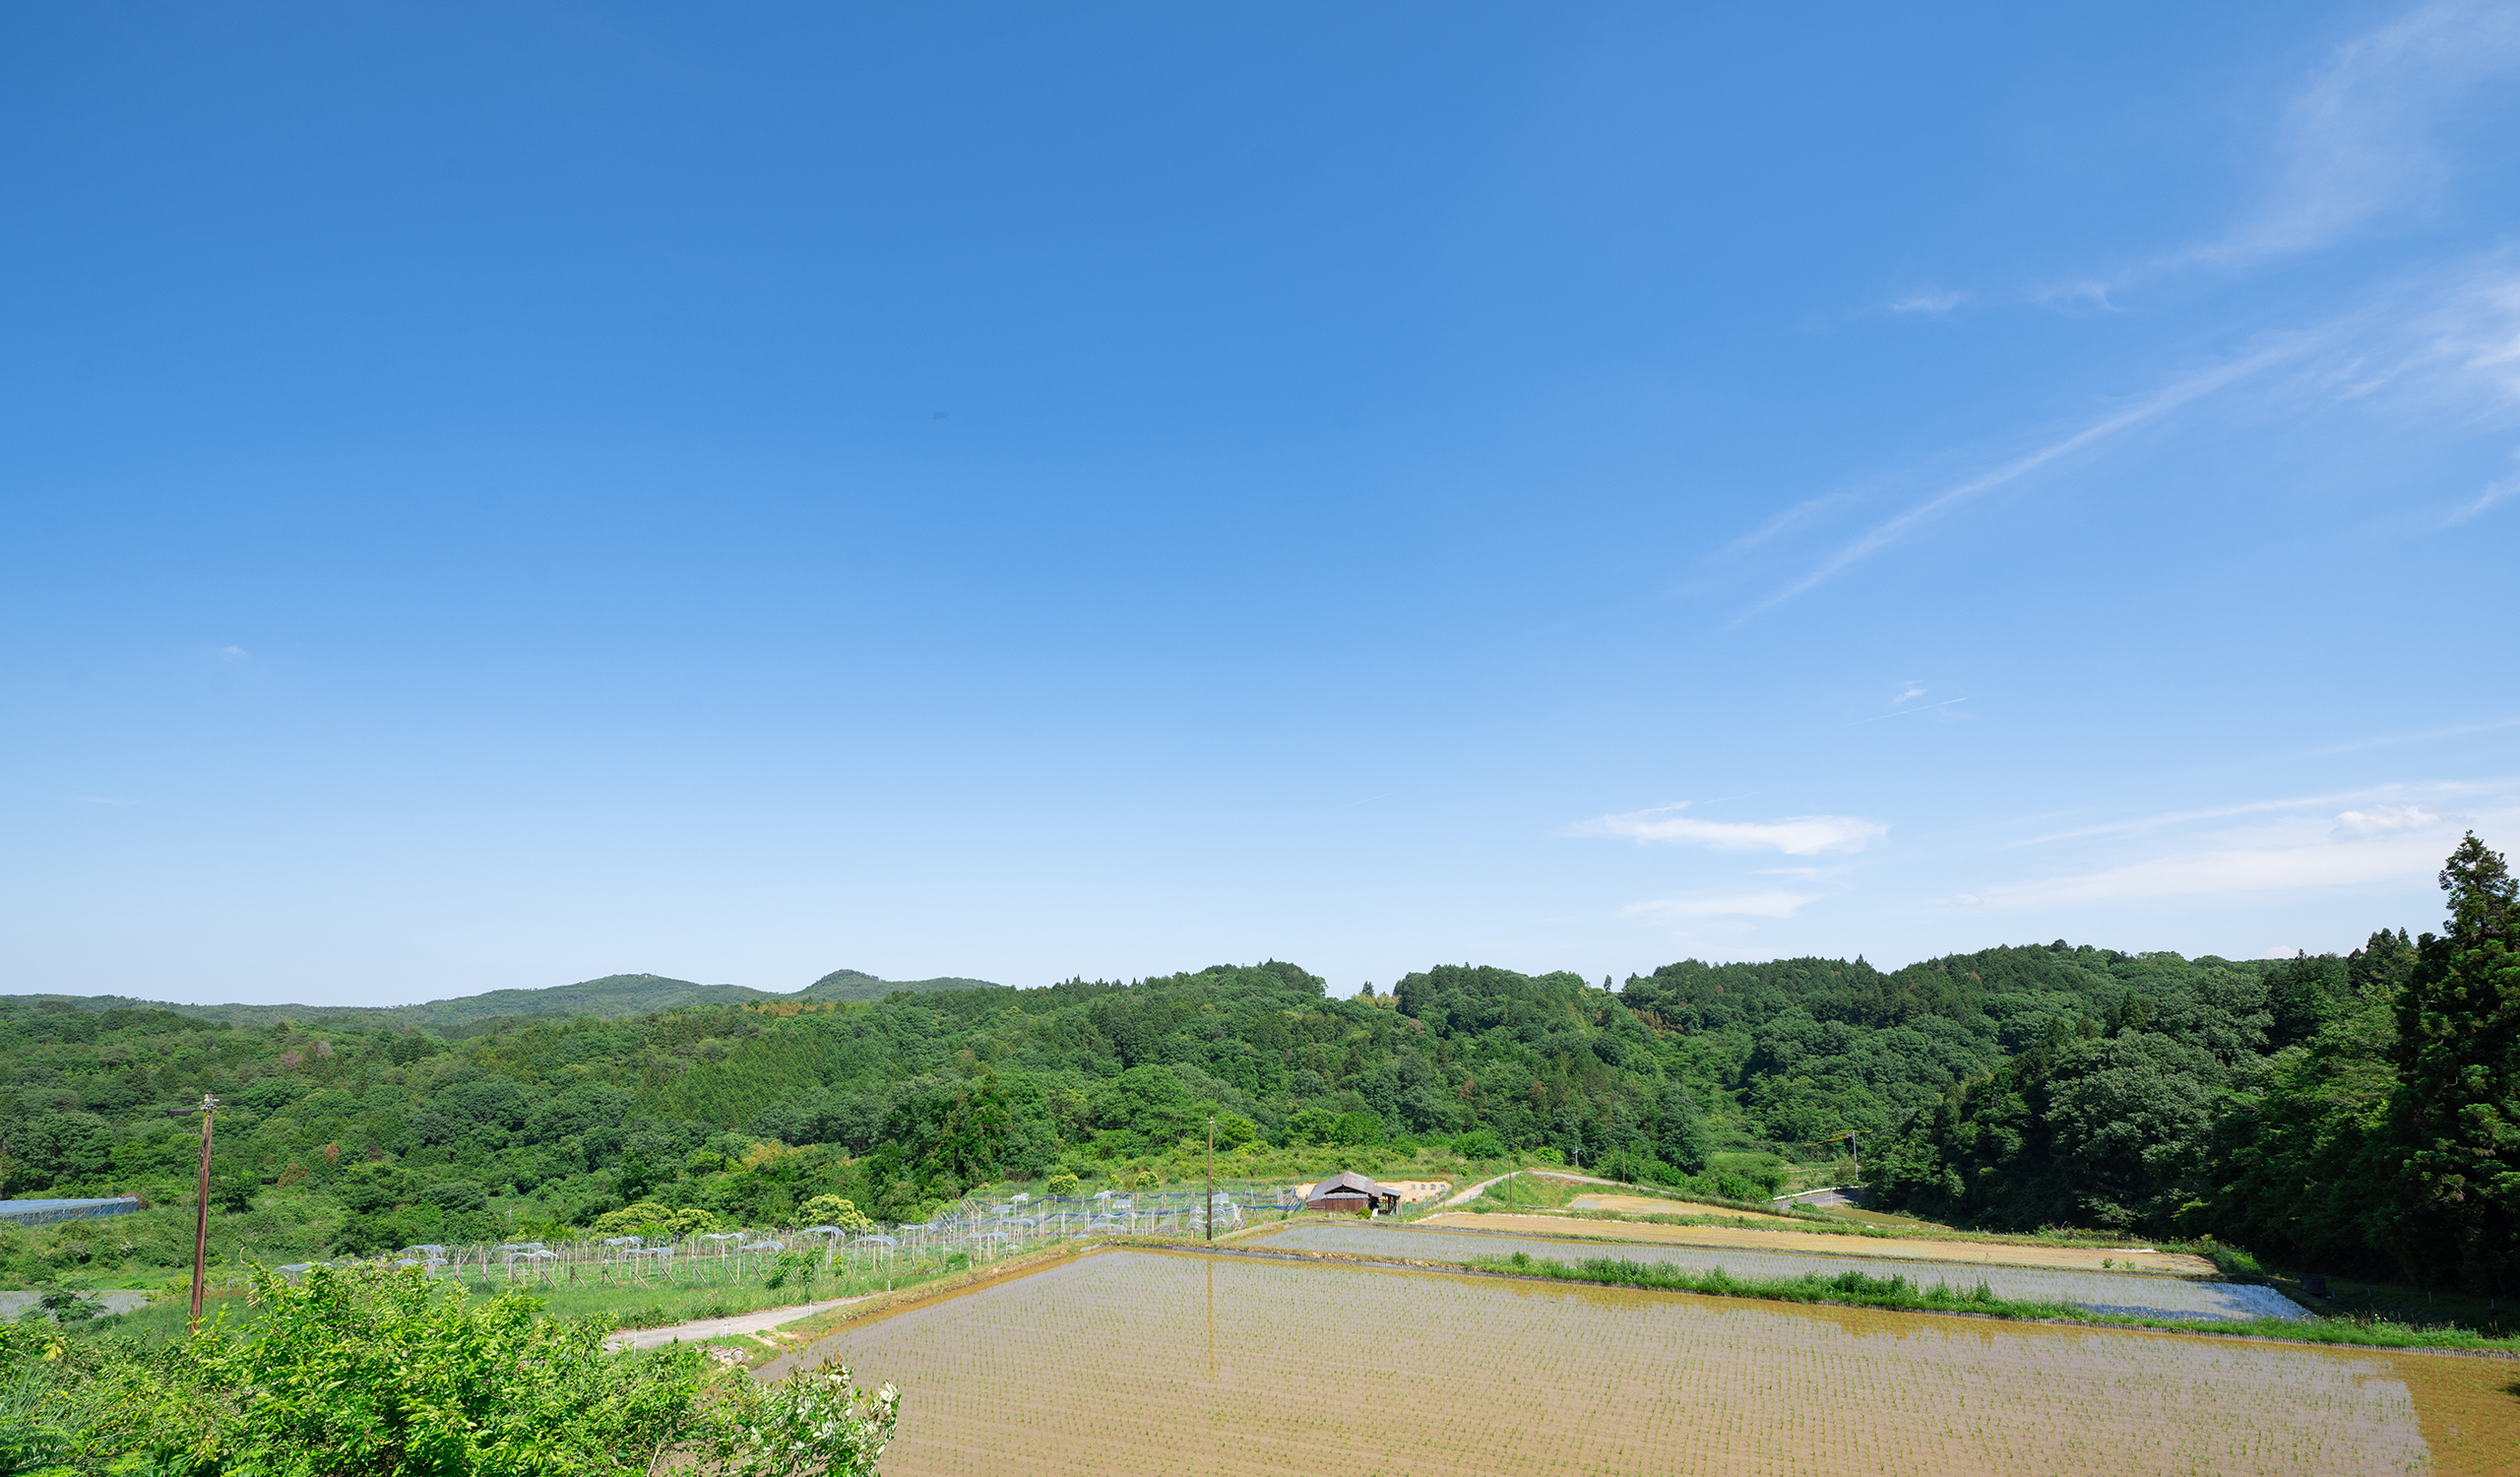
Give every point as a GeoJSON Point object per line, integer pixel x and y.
{"type": "Point", "coordinates": [1126, 1360]}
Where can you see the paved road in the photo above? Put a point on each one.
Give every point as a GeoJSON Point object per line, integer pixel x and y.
{"type": "Point", "coordinates": [693, 1332]}
{"type": "Point", "coordinates": [1835, 1194]}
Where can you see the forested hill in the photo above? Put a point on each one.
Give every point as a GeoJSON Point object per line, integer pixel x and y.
{"type": "Point", "coordinates": [919, 1095]}
{"type": "Point", "coordinates": [610, 997]}
{"type": "Point", "coordinates": [2336, 1108]}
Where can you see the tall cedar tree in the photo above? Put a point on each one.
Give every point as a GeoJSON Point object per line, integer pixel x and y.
{"type": "Point", "coordinates": [2455, 1119]}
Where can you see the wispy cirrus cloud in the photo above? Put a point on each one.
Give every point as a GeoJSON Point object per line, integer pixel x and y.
{"type": "Point", "coordinates": [1930, 302]}
{"type": "Point", "coordinates": [1767, 904]}
{"type": "Point", "coordinates": [2365, 134]}
{"type": "Point", "coordinates": [2303, 853]}
{"type": "Point", "coordinates": [2501, 489]}
{"type": "Point", "coordinates": [2438, 793]}
{"type": "Point", "coordinates": [2368, 134]}
{"type": "Point", "coordinates": [1793, 835]}
{"type": "Point", "coordinates": [2149, 407]}
{"type": "Point", "coordinates": [2221, 871]}
{"type": "Point", "coordinates": [2445, 343]}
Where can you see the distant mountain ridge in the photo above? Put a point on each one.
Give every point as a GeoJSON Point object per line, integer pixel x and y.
{"type": "Point", "coordinates": [610, 997]}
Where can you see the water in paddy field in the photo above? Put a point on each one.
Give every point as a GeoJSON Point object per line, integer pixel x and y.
{"type": "Point", "coordinates": [1145, 1362]}
{"type": "Point", "coordinates": [2137, 1293]}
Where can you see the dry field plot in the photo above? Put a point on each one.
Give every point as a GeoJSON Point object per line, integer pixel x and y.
{"type": "Point", "coordinates": [1917, 1249]}
{"type": "Point", "coordinates": [1654, 1206]}
{"type": "Point", "coordinates": [2101, 1291]}
{"type": "Point", "coordinates": [1131, 1361]}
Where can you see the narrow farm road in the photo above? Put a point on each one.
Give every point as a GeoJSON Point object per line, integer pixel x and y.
{"type": "Point", "coordinates": [742, 1322]}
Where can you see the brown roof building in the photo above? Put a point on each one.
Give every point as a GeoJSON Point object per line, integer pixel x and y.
{"type": "Point", "coordinates": [1350, 1192]}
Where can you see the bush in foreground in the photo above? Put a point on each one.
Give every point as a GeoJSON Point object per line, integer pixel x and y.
{"type": "Point", "coordinates": [384, 1373]}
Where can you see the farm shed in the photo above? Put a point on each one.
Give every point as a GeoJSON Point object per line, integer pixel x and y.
{"type": "Point", "coordinates": [46, 1212]}
{"type": "Point", "coordinates": [1350, 1192]}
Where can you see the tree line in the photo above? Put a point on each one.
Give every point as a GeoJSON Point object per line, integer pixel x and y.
{"type": "Point", "coordinates": [2358, 1114]}
{"type": "Point", "coordinates": [2325, 1110]}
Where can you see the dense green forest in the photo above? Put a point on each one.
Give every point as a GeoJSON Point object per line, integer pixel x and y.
{"type": "Point", "coordinates": [2345, 1111]}
{"type": "Point", "coordinates": [2358, 1114]}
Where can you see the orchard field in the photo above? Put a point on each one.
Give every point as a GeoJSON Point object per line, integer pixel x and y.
{"type": "Point", "coordinates": [1123, 1362]}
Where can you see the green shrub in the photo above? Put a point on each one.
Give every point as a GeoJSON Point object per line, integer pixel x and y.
{"type": "Point", "coordinates": [383, 1374]}
{"type": "Point", "coordinates": [815, 1423]}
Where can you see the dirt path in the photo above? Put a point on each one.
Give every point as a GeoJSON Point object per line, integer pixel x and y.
{"type": "Point", "coordinates": [1903, 1248]}
{"type": "Point", "coordinates": [742, 1322]}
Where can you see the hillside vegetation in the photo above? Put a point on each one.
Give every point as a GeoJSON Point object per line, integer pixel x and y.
{"type": "Point", "coordinates": [611, 996]}
{"type": "Point", "coordinates": [2344, 1110]}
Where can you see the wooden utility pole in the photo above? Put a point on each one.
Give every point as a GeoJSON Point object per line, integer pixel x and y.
{"type": "Point", "coordinates": [1212, 1179]}
{"type": "Point", "coordinates": [209, 1111]}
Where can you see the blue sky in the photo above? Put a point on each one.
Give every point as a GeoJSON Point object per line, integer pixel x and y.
{"type": "Point", "coordinates": [500, 494]}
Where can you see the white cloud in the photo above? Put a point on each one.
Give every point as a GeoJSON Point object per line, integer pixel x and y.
{"type": "Point", "coordinates": [2160, 402]}
{"type": "Point", "coordinates": [1747, 905]}
{"type": "Point", "coordinates": [1929, 301]}
{"type": "Point", "coordinates": [1793, 835]}
{"type": "Point", "coordinates": [1914, 691]}
{"type": "Point", "coordinates": [2283, 952]}
{"type": "Point", "coordinates": [233, 653]}
{"type": "Point", "coordinates": [2382, 819]}
{"type": "Point", "coordinates": [2289, 861]}
{"type": "Point", "coordinates": [2441, 343]}
{"type": "Point", "coordinates": [1967, 899]}
{"type": "Point", "coordinates": [2297, 804]}
{"type": "Point", "coordinates": [2363, 136]}
{"type": "Point", "coordinates": [1899, 712]}
{"type": "Point", "coordinates": [2494, 491]}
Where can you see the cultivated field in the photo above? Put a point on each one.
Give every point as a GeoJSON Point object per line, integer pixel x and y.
{"type": "Point", "coordinates": [2152, 1296]}
{"type": "Point", "coordinates": [2009, 1254]}
{"type": "Point", "coordinates": [1127, 1362]}
{"type": "Point", "coordinates": [1656, 1205]}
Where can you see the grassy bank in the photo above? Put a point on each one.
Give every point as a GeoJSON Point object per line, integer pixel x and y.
{"type": "Point", "coordinates": [627, 1307]}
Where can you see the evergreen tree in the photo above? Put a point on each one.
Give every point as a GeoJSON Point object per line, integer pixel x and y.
{"type": "Point", "coordinates": [2455, 1119]}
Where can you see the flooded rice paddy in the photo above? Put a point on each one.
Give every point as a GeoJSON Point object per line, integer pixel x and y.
{"type": "Point", "coordinates": [2151, 1296]}
{"type": "Point", "coordinates": [2081, 1259]}
{"type": "Point", "coordinates": [1126, 1362]}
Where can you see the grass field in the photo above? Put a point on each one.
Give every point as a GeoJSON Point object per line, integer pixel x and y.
{"type": "Point", "coordinates": [651, 1306]}
{"type": "Point", "coordinates": [1131, 1361]}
